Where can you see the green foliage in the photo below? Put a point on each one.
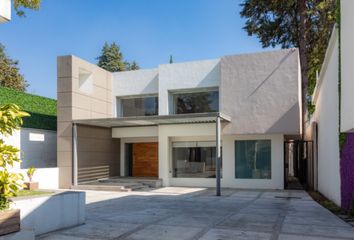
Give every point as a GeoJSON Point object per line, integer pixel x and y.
{"type": "Point", "coordinates": [30, 172]}
{"type": "Point", "coordinates": [43, 110]}
{"type": "Point", "coordinates": [20, 5]}
{"type": "Point", "coordinates": [9, 72]}
{"type": "Point", "coordinates": [111, 59]}
{"type": "Point", "coordinates": [132, 66]}
{"type": "Point", "coordinates": [10, 183]}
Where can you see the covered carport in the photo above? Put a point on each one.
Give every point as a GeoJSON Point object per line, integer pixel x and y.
{"type": "Point", "coordinates": [82, 128]}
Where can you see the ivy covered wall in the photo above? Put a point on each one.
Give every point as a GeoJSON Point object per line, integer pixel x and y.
{"type": "Point", "coordinates": [43, 110]}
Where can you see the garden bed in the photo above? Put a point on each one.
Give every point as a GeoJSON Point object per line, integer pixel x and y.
{"type": "Point", "coordinates": [331, 206]}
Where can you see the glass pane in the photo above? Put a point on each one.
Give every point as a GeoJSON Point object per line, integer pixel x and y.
{"type": "Point", "coordinates": [253, 159]}
{"type": "Point", "coordinates": [196, 102]}
{"type": "Point", "coordinates": [193, 162]}
{"type": "Point", "coordinates": [145, 106]}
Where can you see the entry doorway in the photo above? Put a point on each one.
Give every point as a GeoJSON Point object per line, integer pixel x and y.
{"type": "Point", "coordinates": [298, 164]}
{"type": "Point", "coordinates": [141, 159]}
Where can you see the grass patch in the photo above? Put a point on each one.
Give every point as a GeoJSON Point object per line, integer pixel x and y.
{"type": "Point", "coordinates": [25, 193]}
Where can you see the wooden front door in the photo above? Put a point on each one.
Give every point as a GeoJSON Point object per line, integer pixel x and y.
{"type": "Point", "coordinates": [145, 160]}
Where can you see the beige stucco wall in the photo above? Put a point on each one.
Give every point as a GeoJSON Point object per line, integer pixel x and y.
{"type": "Point", "coordinates": [98, 153]}
{"type": "Point", "coordinates": [94, 100]}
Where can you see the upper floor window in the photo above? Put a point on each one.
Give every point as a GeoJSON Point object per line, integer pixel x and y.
{"type": "Point", "coordinates": [138, 106]}
{"type": "Point", "coordinates": [196, 102]}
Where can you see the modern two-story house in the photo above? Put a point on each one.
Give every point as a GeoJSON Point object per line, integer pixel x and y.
{"type": "Point", "coordinates": [170, 122]}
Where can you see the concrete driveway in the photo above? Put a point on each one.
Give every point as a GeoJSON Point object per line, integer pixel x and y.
{"type": "Point", "coordinates": [192, 213]}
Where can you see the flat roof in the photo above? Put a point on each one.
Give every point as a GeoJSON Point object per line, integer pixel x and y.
{"type": "Point", "coordinates": [154, 120]}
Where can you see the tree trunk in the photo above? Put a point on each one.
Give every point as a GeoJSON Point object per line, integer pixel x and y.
{"type": "Point", "coordinates": [303, 57]}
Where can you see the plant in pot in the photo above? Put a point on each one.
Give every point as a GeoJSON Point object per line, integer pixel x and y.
{"type": "Point", "coordinates": [30, 185]}
{"type": "Point", "coordinates": [10, 182]}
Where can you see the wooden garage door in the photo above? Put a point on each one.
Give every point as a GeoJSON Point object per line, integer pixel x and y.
{"type": "Point", "coordinates": [145, 160]}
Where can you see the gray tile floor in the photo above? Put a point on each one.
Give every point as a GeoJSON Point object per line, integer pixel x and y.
{"type": "Point", "coordinates": [196, 213]}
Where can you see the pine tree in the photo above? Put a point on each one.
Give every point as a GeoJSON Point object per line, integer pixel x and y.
{"type": "Point", "coordinates": [111, 59]}
{"type": "Point", "coordinates": [134, 66]}
{"type": "Point", "coordinates": [9, 72]}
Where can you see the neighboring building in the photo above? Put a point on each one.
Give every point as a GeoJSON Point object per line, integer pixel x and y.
{"type": "Point", "coordinates": [333, 97]}
{"type": "Point", "coordinates": [5, 11]}
{"type": "Point", "coordinates": [37, 139]}
{"type": "Point", "coordinates": [161, 122]}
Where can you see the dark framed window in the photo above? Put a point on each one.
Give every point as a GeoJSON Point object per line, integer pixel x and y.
{"type": "Point", "coordinates": [194, 159]}
{"type": "Point", "coordinates": [140, 106]}
{"type": "Point", "coordinates": [253, 159]}
{"type": "Point", "coordinates": [196, 102]}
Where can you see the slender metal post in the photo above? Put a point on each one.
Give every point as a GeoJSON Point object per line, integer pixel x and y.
{"type": "Point", "coordinates": [218, 156]}
{"type": "Point", "coordinates": [75, 164]}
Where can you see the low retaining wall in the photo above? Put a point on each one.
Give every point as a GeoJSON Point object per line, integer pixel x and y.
{"type": "Point", "coordinates": [45, 214]}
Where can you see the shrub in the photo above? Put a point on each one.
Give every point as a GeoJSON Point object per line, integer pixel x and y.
{"type": "Point", "coordinates": [10, 183]}
{"type": "Point", "coordinates": [30, 173]}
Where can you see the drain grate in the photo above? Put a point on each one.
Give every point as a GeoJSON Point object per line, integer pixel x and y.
{"type": "Point", "coordinates": [287, 197]}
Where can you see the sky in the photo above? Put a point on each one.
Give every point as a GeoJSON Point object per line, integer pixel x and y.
{"type": "Point", "coordinates": [148, 31]}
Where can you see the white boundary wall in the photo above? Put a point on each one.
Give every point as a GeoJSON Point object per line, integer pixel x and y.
{"type": "Point", "coordinates": [326, 115]}
{"type": "Point", "coordinates": [37, 153]}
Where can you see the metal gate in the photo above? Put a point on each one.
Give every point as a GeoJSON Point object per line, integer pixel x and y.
{"type": "Point", "coordinates": [298, 164]}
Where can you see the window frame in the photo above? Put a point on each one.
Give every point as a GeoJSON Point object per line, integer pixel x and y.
{"type": "Point", "coordinates": [119, 102]}
{"type": "Point", "coordinates": [197, 143]}
{"type": "Point", "coordinates": [172, 105]}
{"type": "Point", "coordinates": [270, 156]}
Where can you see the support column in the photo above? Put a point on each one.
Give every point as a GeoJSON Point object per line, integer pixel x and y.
{"type": "Point", "coordinates": [218, 156]}
{"type": "Point", "coordinates": [75, 161]}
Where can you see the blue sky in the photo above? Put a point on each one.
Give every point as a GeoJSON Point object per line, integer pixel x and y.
{"type": "Point", "coordinates": [148, 31]}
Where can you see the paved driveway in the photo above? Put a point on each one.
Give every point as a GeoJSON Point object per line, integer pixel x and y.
{"type": "Point", "coordinates": [190, 213]}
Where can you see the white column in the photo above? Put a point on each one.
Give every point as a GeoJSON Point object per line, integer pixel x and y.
{"type": "Point", "coordinates": [218, 156]}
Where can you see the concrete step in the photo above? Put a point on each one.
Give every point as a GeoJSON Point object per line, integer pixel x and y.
{"type": "Point", "coordinates": [110, 187]}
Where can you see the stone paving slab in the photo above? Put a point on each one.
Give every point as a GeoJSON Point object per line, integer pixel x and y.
{"type": "Point", "coordinates": [229, 234]}
{"type": "Point", "coordinates": [161, 232]}
{"type": "Point", "coordinates": [196, 213]}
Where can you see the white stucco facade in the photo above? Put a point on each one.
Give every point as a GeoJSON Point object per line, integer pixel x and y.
{"type": "Point", "coordinates": [165, 135]}
{"type": "Point", "coordinates": [347, 70]}
{"type": "Point", "coordinates": [326, 99]}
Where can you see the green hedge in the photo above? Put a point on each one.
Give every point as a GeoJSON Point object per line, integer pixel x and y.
{"type": "Point", "coordinates": [43, 110]}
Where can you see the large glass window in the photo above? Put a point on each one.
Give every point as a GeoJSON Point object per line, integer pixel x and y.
{"type": "Point", "coordinates": [253, 159]}
{"type": "Point", "coordinates": [194, 159]}
{"type": "Point", "coordinates": [196, 102]}
{"type": "Point", "coordinates": [142, 106]}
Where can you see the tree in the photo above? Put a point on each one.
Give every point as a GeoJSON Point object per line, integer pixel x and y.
{"type": "Point", "coordinates": [132, 66]}
{"type": "Point", "coordinates": [111, 59]}
{"type": "Point", "coordinates": [171, 59]}
{"type": "Point", "coordinates": [9, 72]}
{"type": "Point", "coordinates": [305, 24]}
{"type": "Point", "coordinates": [20, 5]}
{"type": "Point", "coordinates": [10, 183]}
